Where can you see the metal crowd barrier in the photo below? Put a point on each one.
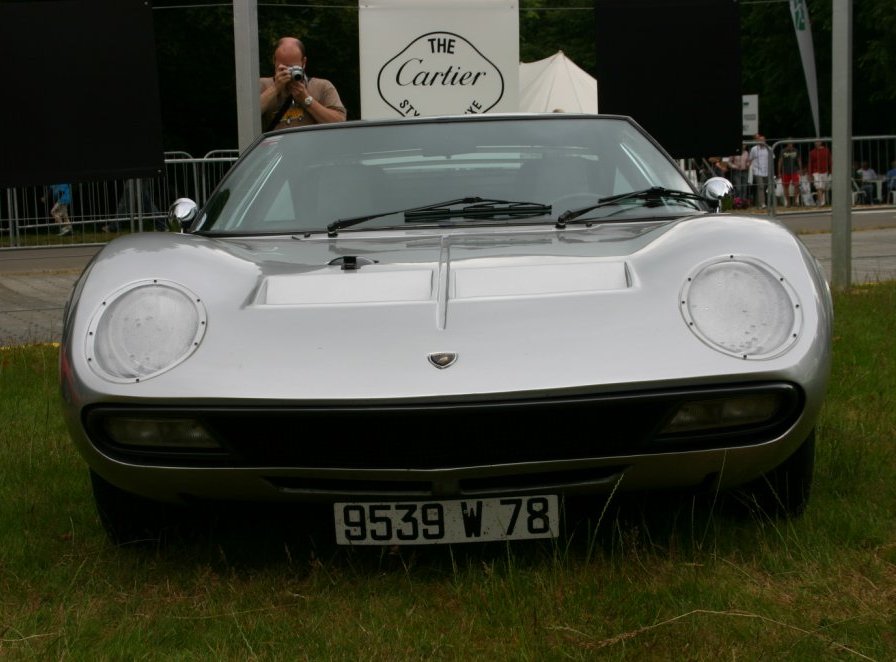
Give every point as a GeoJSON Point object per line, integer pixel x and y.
{"type": "Point", "coordinates": [101, 210]}
{"type": "Point", "coordinates": [878, 152]}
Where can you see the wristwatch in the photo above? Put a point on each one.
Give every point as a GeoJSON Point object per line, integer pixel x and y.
{"type": "Point", "coordinates": [308, 101]}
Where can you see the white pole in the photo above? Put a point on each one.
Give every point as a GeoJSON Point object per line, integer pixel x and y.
{"type": "Point", "coordinates": [245, 45]}
{"type": "Point", "coordinates": [841, 134]}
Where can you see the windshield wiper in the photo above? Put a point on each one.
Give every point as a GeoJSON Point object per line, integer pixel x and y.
{"type": "Point", "coordinates": [483, 209]}
{"type": "Point", "coordinates": [476, 208]}
{"type": "Point", "coordinates": [653, 196]}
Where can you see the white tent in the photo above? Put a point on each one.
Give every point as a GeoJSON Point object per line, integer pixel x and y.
{"type": "Point", "coordinates": [556, 83]}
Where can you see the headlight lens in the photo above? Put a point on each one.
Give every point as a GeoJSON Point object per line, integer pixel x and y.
{"type": "Point", "coordinates": [144, 329]}
{"type": "Point", "coordinates": [741, 307]}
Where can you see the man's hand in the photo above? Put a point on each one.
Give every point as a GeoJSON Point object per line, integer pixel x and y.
{"type": "Point", "coordinates": [286, 85]}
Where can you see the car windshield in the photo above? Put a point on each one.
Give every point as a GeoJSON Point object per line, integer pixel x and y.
{"type": "Point", "coordinates": [379, 175]}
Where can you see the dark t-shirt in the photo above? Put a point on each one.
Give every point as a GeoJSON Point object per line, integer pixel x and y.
{"type": "Point", "coordinates": [790, 161]}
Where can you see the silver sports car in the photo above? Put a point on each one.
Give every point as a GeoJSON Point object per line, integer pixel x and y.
{"type": "Point", "coordinates": [442, 328]}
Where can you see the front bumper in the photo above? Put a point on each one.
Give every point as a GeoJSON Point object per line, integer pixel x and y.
{"type": "Point", "coordinates": [516, 446]}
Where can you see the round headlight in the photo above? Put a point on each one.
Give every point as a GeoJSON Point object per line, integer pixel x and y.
{"type": "Point", "coordinates": [144, 329]}
{"type": "Point", "coordinates": [741, 307]}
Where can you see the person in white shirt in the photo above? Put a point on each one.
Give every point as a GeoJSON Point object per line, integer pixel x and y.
{"type": "Point", "coordinates": [759, 159]}
{"type": "Point", "coordinates": [868, 174]}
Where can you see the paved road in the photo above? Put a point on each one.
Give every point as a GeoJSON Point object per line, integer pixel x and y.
{"type": "Point", "coordinates": [35, 283]}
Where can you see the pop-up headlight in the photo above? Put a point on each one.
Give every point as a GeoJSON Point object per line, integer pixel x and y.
{"type": "Point", "coordinates": [143, 330]}
{"type": "Point", "coordinates": [741, 307]}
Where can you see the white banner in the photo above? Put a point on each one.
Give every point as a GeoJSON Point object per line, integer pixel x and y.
{"type": "Point", "coordinates": [800, 14]}
{"type": "Point", "coordinates": [750, 114]}
{"type": "Point", "coordinates": [438, 57]}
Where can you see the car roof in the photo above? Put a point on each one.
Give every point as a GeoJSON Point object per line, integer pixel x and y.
{"type": "Point", "coordinates": [439, 119]}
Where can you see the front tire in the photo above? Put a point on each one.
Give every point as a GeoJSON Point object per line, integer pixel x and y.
{"type": "Point", "coordinates": [130, 519]}
{"type": "Point", "coordinates": [783, 491]}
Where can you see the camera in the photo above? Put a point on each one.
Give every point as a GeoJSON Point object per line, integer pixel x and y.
{"type": "Point", "coordinates": [296, 72]}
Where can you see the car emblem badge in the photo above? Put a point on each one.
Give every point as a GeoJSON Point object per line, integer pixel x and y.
{"type": "Point", "coordinates": [442, 359]}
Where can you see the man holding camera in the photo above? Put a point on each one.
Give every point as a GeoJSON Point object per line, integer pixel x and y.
{"type": "Point", "coordinates": [291, 98]}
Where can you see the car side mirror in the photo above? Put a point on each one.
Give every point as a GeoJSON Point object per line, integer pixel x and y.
{"type": "Point", "coordinates": [720, 191]}
{"type": "Point", "coordinates": [181, 214]}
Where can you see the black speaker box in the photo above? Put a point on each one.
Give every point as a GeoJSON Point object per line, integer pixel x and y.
{"type": "Point", "coordinates": [81, 91]}
{"type": "Point", "coordinates": [673, 66]}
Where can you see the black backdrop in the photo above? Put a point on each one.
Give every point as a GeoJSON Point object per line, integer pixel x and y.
{"type": "Point", "coordinates": [81, 91]}
{"type": "Point", "coordinates": [674, 66]}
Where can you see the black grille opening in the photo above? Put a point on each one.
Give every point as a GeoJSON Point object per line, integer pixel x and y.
{"type": "Point", "coordinates": [439, 437]}
{"type": "Point", "coordinates": [452, 435]}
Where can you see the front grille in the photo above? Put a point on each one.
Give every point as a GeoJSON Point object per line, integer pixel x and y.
{"type": "Point", "coordinates": [454, 435]}
{"type": "Point", "coordinates": [569, 480]}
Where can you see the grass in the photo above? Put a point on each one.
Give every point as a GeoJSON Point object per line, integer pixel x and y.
{"type": "Point", "coordinates": [659, 578]}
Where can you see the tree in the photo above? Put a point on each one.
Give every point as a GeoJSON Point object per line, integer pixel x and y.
{"type": "Point", "coordinates": [772, 67]}
{"type": "Point", "coordinates": [197, 86]}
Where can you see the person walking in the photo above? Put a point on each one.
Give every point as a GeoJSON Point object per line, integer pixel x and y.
{"type": "Point", "coordinates": [61, 196]}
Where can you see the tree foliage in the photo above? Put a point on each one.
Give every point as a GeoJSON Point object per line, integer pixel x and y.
{"type": "Point", "coordinates": [547, 27]}
{"type": "Point", "coordinates": [196, 60]}
{"type": "Point", "coordinates": [197, 87]}
{"type": "Point", "coordinates": [772, 67]}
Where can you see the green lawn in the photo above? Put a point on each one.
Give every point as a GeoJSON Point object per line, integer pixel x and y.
{"type": "Point", "coordinates": [660, 578]}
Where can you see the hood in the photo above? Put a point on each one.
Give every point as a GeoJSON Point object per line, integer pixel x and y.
{"type": "Point", "coordinates": [357, 316]}
{"type": "Point", "coordinates": [445, 267]}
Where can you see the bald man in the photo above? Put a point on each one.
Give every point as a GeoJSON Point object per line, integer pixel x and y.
{"type": "Point", "coordinates": [302, 102]}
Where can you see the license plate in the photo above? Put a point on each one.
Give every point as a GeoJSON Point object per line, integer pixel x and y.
{"type": "Point", "coordinates": [444, 522]}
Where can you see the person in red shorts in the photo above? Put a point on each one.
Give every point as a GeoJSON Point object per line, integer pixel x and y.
{"type": "Point", "coordinates": [820, 170]}
{"type": "Point", "coordinates": [789, 166]}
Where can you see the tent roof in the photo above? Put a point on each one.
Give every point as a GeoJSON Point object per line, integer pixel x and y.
{"type": "Point", "coordinates": [556, 83]}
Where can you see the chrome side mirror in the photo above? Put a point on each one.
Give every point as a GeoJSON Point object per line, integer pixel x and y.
{"type": "Point", "coordinates": [181, 214]}
{"type": "Point", "coordinates": [720, 191]}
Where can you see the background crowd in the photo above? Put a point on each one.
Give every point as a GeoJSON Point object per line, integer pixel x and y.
{"type": "Point", "coordinates": [799, 174]}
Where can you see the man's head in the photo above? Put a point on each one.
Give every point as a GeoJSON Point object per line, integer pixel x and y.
{"type": "Point", "coordinates": [290, 52]}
